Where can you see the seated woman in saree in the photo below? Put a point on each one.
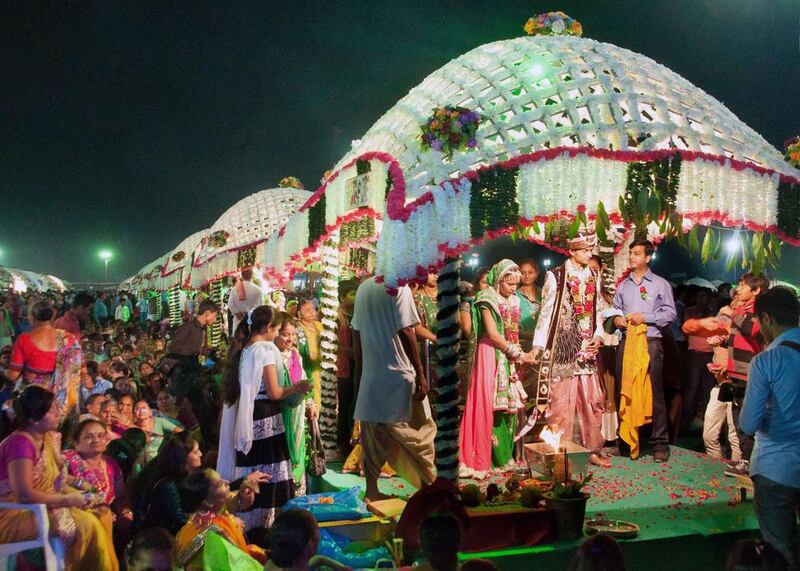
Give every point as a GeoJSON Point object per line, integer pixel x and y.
{"type": "Point", "coordinates": [156, 496]}
{"type": "Point", "coordinates": [48, 357]}
{"type": "Point", "coordinates": [206, 497]}
{"type": "Point", "coordinates": [94, 471]}
{"type": "Point", "coordinates": [30, 473]}
{"type": "Point", "coordinates": [495, 394]}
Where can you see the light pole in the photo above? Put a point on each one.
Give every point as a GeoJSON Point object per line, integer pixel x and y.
{"type": "Point", "coordinates": [105, 255]}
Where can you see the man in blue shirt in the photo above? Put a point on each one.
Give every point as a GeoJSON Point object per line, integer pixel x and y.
{"type": "Point", "coordinates": [100, 310]}
{"type": "Point", "coordinates": [644, 297]}
{"type": "Point", "coordinates": [771, 411]}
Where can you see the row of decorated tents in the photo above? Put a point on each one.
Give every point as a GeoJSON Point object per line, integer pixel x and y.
{"type": "Point", "coordinates": [570, 132]}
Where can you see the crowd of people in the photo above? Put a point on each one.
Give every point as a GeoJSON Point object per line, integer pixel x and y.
{"type": "Point", "coordinates": [141, 437]}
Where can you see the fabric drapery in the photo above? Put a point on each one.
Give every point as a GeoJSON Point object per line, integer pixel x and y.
{"type": "Point", "coordinates": [636, 402]}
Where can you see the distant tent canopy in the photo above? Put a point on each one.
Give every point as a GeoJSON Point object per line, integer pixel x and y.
{"type": "Point", "coordinates": [22, 281]}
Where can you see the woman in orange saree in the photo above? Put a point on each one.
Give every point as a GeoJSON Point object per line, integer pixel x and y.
{"type": "Point", "coordinates": [31, 472]}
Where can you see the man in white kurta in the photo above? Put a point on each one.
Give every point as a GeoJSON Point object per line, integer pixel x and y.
{"type": "Point", "coordinates": [396, 423]}
{"type": "Point", "coordinates": [568, 335]}
{"type": "Point", "coordinates": [244, 296]}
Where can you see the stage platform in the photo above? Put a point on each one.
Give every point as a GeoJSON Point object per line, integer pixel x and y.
{"type": "Point", "coordinates": [688, 511]}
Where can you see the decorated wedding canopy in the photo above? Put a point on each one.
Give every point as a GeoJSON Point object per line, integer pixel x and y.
{"type": "Point", "coordinates": [568, 128]}
{"type": "Point", "coordinates": [236, 239]}
{"type": "Point", "coordinates": [22, 281]}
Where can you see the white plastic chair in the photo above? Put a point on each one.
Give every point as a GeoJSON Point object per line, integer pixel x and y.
{"type": "Point", "coordinates": [53, 547]}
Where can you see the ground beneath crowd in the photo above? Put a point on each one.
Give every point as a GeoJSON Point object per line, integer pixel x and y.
{"type": "Point", "coordinates": [688, 511]}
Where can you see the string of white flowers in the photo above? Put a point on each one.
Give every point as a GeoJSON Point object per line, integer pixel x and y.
{"type": "Point", "coordinates": [329, 304]}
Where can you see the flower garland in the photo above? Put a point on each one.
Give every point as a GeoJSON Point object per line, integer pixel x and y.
{"type": "Point", "coordinates": [174, 304]}
{"type": "Point", "coordinates": [219, 238]}
{"type": "Point", "coordinates": [291, 182]}
{"type": "Point", "coordinates": [246, 258]}
{"type": "Point", "coordinates": [215, 329]}
{"type": "Point", "coordinates": [450, 129]}
{"type": "Point", "coordinates": [493, 201]}
{"type": "Point", "coordinates": [582, 295]}
{"type": "Point", "coordinates": [329, 303]}
{"type": "Point", "coordinates": [316, 220]}
{"type": "Point", "coordinates": [447, 413]}
{"type": "Point", "coordinates": [792, 154]}
{"type": "Point", "coordinates": [553, 24]}
{"type": "Point", "coordinates": [357, 231]}
{"type": "Point", "coordinates": [178, 256]}
{"type": "Point", "coordinates": [789, 209]}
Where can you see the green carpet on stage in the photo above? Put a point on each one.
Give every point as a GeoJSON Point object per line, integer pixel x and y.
{"type": "Point", "coordinates": [687, 509]}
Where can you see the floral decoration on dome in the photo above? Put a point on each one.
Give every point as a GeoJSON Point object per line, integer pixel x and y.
{"type": "Point", "coordinates": [553, 24]}
{"type": "Point", "coordinates": [178, 256]}
{"type": "Point", "coordinates": [793, 152]}
{"type": "Point", "coordinates": [326, 175]}
{"type": "Point", "coordinates": [450, 129]}
{"type": "Point", "coordinates": [219, 238]}
{"type": "Point", "coordinates": [291, 182]}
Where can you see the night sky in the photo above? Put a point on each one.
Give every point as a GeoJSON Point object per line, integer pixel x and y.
{"type": "Point", "coordinates": [130, 125]}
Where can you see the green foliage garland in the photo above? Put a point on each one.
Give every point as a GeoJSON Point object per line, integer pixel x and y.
{"type": "Point", "coordinates": [316, 221]}
{"type": "Point", "coordinates": [650, 194]}
{"type": "Point", "coordinates": [789, 209]}
{"type": "Point", "coordinates": [493, 201]}
{"type": "Point", "coordinates": [246, 258]}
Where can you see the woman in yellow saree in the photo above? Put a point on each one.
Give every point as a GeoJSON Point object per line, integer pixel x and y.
{"type": "Point", "coordinates": [207, 495]}
{"type": "Point", "coordinates": [31, 472]}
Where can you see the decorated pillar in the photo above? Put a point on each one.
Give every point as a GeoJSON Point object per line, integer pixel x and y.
{"type": "Point", "coordinates": [447, 336]}
{"type": "Point", "coordinates": [215, 293]}
{"type": "Point", "coordinates": [329, 306]}
{"type": "Point", "coordinates": [174, 303]}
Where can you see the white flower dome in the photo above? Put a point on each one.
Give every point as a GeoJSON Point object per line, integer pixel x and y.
{"type": "Point", "coordinates": [254, 218]}
{"type": "Point", "coordinates": [553, 91]}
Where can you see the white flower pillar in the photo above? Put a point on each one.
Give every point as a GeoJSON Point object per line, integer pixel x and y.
{"type": "Point", "coordinates": [174, 302]}
{"type": "Point", "coordinates": [329, 304]}
{"type": "Point", "coordinates": [447, 335]}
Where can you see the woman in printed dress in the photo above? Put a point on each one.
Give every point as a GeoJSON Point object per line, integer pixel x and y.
{"type": "Point", "coordinates": [309, 335]}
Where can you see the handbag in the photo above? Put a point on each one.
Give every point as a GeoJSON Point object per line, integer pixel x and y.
{"type": "Point", "coordinates": [315, 456]}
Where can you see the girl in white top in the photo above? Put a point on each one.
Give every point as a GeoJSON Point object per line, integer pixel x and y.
{"type": "Point", "coordinates": [252, 435]}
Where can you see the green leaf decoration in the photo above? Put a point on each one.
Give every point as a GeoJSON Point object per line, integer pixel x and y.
{"type": "Point", "coordinates": [601, 232]}
{"type": "Point", "coordinates": [574, 227]}
{"type": "Point", "coordinates": [709, 244]}
{"type": "Point", "coordinates": [642, 205]}
{"type": "Point", "coordinates": [732, 262]}
{"type": "Point", "coordinates": [749, 254]}
{"type": "Point", "coordinates": [535, 227]}
{"type": "Point", "coordinates": [694, 241]}
{"type": "Point", "coordinates": [602, 215]}
{"type": "Point", "coordinates": [653, 206]}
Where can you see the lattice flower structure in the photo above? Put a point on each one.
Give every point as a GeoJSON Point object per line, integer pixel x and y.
{"type": "Point", "coordinates": [450, 129]}
{"type": "Point", "coordinates": [291, 182]}
{"type": "Point", "coordinates": [793, 152]}
{"type": "Point", "coordinates": [553, 24]}
{"type": "Point", "coordinates": [542, 92]}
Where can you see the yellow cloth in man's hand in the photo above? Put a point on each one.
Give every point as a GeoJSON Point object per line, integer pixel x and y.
{"type": "Point", "coordinates": [636, 401]}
